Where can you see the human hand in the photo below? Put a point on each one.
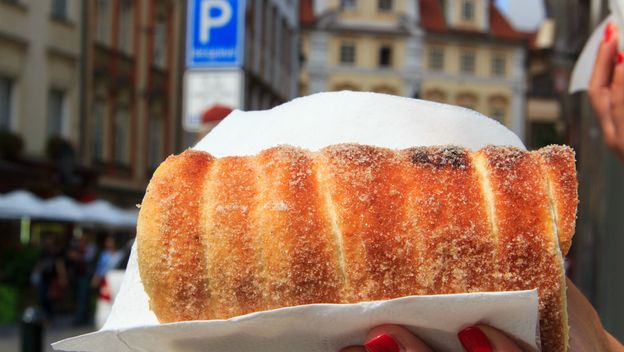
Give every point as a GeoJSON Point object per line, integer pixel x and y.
{"type": "Point", "coordinates": [395, 338]}
{"type": "Point", "coordinates": [586, 334]}
{"type": "Point", "coordinates": [606, 90]}
{"type": "Point", "coordinates": [586, 331]}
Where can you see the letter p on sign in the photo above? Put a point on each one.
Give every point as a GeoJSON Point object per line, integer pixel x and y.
{"type": "Point", "coordinates": [207, 22]}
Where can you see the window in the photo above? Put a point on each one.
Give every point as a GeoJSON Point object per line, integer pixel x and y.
{"type": "Point", "coordinates": [347, 4]}
{"type": "Point", "coordinates": [155, 141]}
{"type": "Point", "coordinates": [467, 63]}
{"type": "Point", "coordinates": [385, 89]}
{"type": "Point", "coordinates": [444, 7]}
{"type": "Point", "coordinates": [436, 58]}
{"type": "Point", "coordinates": [467, 10]}
{"type": "Point", "coordinates": [59, 9]}
{"type": "Point", "coordinates": [97, 130]}
{"type": "Point", "coordinates": [102, 21]}
{"type": "Point", "coordinates": [125, 32]}
{"type": "Point", "coordinates": [6, 102]}
{"type": "Point", "coordinates": [498, 108]}
{"type": "Point", "coordinates": [498, 65]}
{"type": "Point", "coordinates": [384, 5]}
{"type": "Point", "coordinates": [435, 95]}
{"type": "Point", "coordinates": [56, 110]}
{"type": "Point", "coordinates": [467, 100]}
{"type": "Point", "coordinates": [498, 114]}
{"type": "Point", "coordinates": [542, 85]}
{"type": "Point", "coordinates": [347, 53]}
{"type": "Point", "coordinates": [160, 42]}
{"type": "Point", "coordinates": [346, 86]}
{"type": "Point", "coordinates": [122, 127]}
{"type": "Point", "coordinates": [385, 56]}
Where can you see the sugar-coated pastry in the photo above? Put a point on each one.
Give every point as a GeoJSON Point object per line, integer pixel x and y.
{"type": "Point", "coordinates": [224, 237]}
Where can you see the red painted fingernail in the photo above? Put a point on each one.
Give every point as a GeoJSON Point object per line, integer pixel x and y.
{"type": "Point", "coordinates": [609, 30]}
{"type": "Point", "coordinates": [474, 340]}
{"type": "Point", "coordinates": [620, 57]}
{"type": "Point", "coordinates": [382, 343]}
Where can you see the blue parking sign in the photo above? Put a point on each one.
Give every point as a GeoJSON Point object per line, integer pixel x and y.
{"type": "Point", "coordinates": [214, 35]}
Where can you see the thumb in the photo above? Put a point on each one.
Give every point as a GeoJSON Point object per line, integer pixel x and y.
{"type": "Point", "coordinates": [482, 338]}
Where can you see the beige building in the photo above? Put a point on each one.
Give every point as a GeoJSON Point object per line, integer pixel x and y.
{"type": "Point", "coordinates": [106, 76]}
{"type": "Point", "coordinates": [360, 45]}
{"type": "Point", "coordinates": [103, 75]}
{"type": "Point", "coordinates": [474, 58]}
{"type": "Point", "coordinates": [460, 52]}
{"type": "Point", "coordinates": [39, 71]}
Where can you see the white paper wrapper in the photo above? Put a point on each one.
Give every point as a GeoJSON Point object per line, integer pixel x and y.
{"type": "Point", "coordinates": [314, 122]}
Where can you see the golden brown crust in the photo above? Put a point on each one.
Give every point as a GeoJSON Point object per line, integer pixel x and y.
{"type": "Point", "coordinates": [450, 220]}
{"type": "Point", "coordinates": [365, 187]}
{"type": "Point", "coordinates": [299, 254]}
{"type": "Point", "coordinates": [230, 235]}
{"type": "Point", "coordinates": [559, 164]}
{"type": "Point", "coordinates": [528, 254]}
{"type": "Point", "coordinates": [220, 238]}
{"type": "Point", "coordinates": [172, 258]}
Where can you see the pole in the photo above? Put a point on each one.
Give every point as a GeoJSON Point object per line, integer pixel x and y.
{"type": "Point", "coordinates": [31, 330]}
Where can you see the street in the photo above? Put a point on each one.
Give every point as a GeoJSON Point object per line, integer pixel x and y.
{"type": "Point", "coordinates": [10, 336]}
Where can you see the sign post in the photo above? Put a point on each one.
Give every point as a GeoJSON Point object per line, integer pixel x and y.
{"type": "Point", "coordinates": [214, 57]}
{"type": "Point", "coordinates": [215, 33]}
{"type": "Point", "coordinates": [205, 89]}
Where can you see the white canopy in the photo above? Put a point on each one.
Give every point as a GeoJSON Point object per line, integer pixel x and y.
{"type": "Point", "coordinates": [22, 203]}
{"type": "Point", "coordinates": [61, 208]}
{"type": "Point", "coordinates": [103, 212]}
{"type": "Point", "coordinates": [19, 203]}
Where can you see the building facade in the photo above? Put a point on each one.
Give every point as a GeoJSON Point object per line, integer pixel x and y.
{"type": "Point", "coordinates": [361, 45]}
{"type": "Point", "coordinates": [95, 83]}
{"type": "Point", "coordinates": [458, 52]}
{"type": "Point", "coordinates": [132, 74]}
{"type": "Point", "coordinates": [104, 79]}
{"type": "Point", "coordinates": [39, 71]}
{"type": "Point", "coordinates": [271, 62]}
{"type": "Point", "coordinates": [474, 58]}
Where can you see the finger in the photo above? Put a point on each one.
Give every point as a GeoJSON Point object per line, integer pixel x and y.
{"type": "Point", "coordinates": [498, 340]}
{"type": "Point", "coordinates": [613, 129]}
{"type": "Point", "coordinates": [617, 98]}
{"type": "Point", "coordinates": [394, 338]}
{"type": "Point", "coordinates": [601, 101]}
{"type": "Point", "coordinates": [599, 85]}
{"type": "Point", "coordinates": [603, 65]}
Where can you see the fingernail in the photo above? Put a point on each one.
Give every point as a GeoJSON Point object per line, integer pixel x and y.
{"type": "Point", "coordinates": [382, 343]}
{"type": "Point", "coordinates": [609, 30]}
{"type": "Point", "coordinates": [620, 57]}
{"type": "Point", "coordinates": [474, 340]}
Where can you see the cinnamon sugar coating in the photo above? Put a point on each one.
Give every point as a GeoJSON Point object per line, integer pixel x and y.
{"type": "Point", "coordinates": [223, 237]}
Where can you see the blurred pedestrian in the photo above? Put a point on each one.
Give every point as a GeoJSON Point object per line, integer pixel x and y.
{"type": "Point", "coordinates": [109, 258]}
{"type": "Point", "coordinates": [80, 260]}
{"type": "Point", "coordinates": [606, 90]}
{"type": "Point", "coordinates": [50, 276]}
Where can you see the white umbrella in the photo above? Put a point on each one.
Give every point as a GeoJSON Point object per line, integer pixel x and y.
{"type": "Point", "coordinates": [62, 208]}
{"type": "Point", "coordinates": [18, 204]}
{"type": "Point", "coordinates": [103, 212]}
{"type": "Point", "coordinates": [129, 217]}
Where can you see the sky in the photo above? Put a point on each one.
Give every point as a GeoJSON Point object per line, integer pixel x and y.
{"type": "Point", "coordinates": [524, 15]}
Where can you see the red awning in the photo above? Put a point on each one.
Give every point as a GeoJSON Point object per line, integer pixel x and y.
{"type": "Point", "coordinates": [216, 112]}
